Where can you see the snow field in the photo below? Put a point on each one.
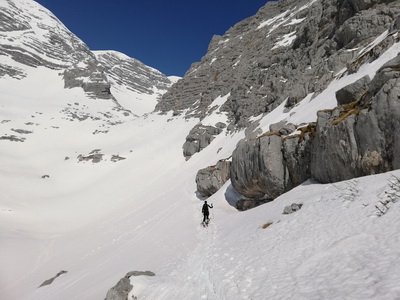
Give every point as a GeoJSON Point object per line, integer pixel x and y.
{"type": "Point", "coordinates": [100, 221]}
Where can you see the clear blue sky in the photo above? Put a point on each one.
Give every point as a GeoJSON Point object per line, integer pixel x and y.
{"type": "Point", "coordinates": [167, 35]}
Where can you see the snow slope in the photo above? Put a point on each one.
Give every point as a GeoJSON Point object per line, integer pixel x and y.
{"type": "Point", "coordinates": [98, 221]}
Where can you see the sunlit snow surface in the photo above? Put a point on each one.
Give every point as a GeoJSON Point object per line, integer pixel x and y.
{"type": "Point", "coordinates": [98, 221]}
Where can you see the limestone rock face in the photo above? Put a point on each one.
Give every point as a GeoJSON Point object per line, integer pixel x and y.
{"type": "Point", "coordinates": [285, 52]}
{"type": "Point", "coordinates": [286, 44]}
{"type": "Point", "coordinates": [335, 149]}
{"type": "Point", "coordinates": [209, 180]}
{"type": "Point", "coordinates": [365, 140]}
{"type": "Point", "coordinates": [257, 168]}
{"type": "Point", "coordinates": [354, 139]}
{"type": "Point", "coordinates": [272, 164]}
{"type": "Point", "coordinates": [121, 290]}
{"type": "Point", "coordinates": [353, 92]}
{"type": "Point", "coordinates": [200, 137]}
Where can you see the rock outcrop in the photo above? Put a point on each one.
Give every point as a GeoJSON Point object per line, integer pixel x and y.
{"type": "Point", "coordinates": [354, 139]}
{"type": "Point", "coordinates": [285, 52]}
{"type": "Point", "coordinates": [361, 139]}
{"type": "Point", "coordinates": [51, 280]}
{"type": "Point", "coordinates": [200, 137]}
{"type": "Point", "coordinates": [122, 289]}
{"type": "Point", "coordinates": [271, 164]}
{"type": "Point", "coordinates": [209, 180]}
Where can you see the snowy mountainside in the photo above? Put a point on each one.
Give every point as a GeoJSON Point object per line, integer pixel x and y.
{"type": "Point", "coordinates": [33, 36]}
{"type": "Point", "coordinates": [134, 84]}
{"type": "Point", "coordinates": [89, 190]}
{"type": "Point", "coordinates": [36, 38]}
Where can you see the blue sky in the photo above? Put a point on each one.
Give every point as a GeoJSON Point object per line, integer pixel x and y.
{"type": "Point", "coordinates": [166, 35]}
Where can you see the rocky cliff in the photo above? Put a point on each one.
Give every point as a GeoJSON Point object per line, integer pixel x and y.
{"type": "Point", "coordinates": [122, 70]}
{"type": "Point", "coordinates": [285, 52]}
{"type": "Point", "coordinates": [290, 52]}
{"type": "Point", "coordinates": [31, 36]}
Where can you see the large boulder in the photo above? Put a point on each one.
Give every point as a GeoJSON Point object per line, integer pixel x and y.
{"type": "Point", "coordinates": [257, 169]}
{"type": "Point", "coordinates": [121, 290]}
{"type": "Point", "coordinates": [357, 139]}
{"type": "Point", "coordinates": [272, 164]}
{"type": "Point", "coordinates": [335, 148]}
{"type": "Point", "coordinates": [209, 180]}
{"type": "Point", "coordinates": [297, 156]}
{"type": "Point", "coordinates": [361, 141]}
{"type": "Point", "coordinates": [390, 70]}
{"type": "Point", "coordinates": [200, 137]}
{"type": "Point", "coordinates": [353, 92]}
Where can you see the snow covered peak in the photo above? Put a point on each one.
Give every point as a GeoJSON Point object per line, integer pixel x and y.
{"type": "Point", "coordinates": [31, 35]}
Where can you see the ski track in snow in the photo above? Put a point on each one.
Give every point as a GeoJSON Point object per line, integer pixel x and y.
{"type": "Point", "coordinates": [320, 252]}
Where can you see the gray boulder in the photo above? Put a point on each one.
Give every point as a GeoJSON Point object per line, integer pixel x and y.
{"type": "Point", "coordinates": [246, 204]}
{"type": "Point", "coordinates": [257, 169]}
{"type": "Point", "coordinates": [292, 208]}
{"type": "Point", "coordinates": [283, 127]}
{"type": "Point", "coordinates": [51, 280]}
{"type": "Point", "coordinates": [211, 179]}
{"type": "Point", "coordinates": [121, 290]}
{"type": "Point", "coordinates": [390, 70]}
{"type": "Point", "coordinates": [335, 148]}
{"type": "Point", "coordinates": [359, 142]}
{"type": "Point", "coordinates": [200, 137]}
{"type": "Point", "coordinates": [353, 92]}
{"type": "Point", "coordinates": [346, 142]}
{"type": "Point", "coordinates": [272, 164]}
{"type": "Point", "coordinates": [297, 156]}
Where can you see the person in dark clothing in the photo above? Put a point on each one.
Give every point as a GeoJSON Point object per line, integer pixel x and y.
{"type": "Point", "coordinates": [206, 212]}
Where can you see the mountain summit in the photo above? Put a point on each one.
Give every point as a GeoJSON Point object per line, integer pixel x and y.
{"type": "Point", "coordinates": [33, 37]}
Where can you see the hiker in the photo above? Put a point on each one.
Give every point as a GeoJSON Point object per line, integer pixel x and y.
{"type": "Point", "coordinates": [206, 212]}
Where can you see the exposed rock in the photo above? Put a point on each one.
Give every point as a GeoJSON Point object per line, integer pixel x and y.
{"type": "Point", "coordinates": [50, 281]}
{"type": "Point", "coordinates": [12, 138]}
{"type": "Point", "coordinates": [297, 156]}
{"type": "Point", "coordinates": [352, 140]}
{"type": "Point", "coordinates": [282, 127]}
{"type": "Point", "coordinates": [125, 71]}
{"type": "Point", "coordinates": [272, 164]}
{"type": "Point", "coordinates": [32, 36]}
{"type": "Point", "coordinates": [335, 149]}
{"type": "Point", "coordinates": [292, 208]}
{"type": "Point", "coordinates": [122, 289]}
{"type": "Point", "coordinates": [246, 204]}
{"type": "Point", "coordinates": [353, 92]}
{"type": "Point", "coordinates": [95, 156]}
{"type": "Point", "coordinates": [257, 169]}
{"type": "Point", "coordinates": [200, 137]}
{"type": "Point", "coordinates": [261, 66]}
{"type": "Point", "coordinates": [359, 142]}
{"type": "Point", "coordinates": [211, 179]}
{"type": "Point", "coordinates": [390, 70]}
{"type": "Point", "coordinates": [116, 158]}
{"type": "Point", "coordinates": [140, 273]}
